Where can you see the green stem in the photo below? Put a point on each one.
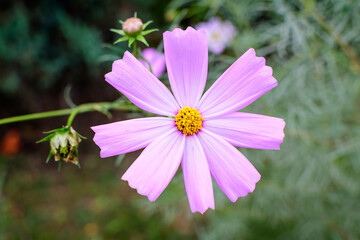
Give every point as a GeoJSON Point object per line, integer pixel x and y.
{"type": "Point", "coordinates": [135, 49]}
{"type": "Point", "coordinates": [72, 116]}
{"type": "Point", "coordinates": [87, 107]}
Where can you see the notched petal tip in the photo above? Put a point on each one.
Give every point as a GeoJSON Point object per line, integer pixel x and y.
{"type": "Point", "coordinates": [283, 124]}
{"type": "Point", "coordinates": [150, 195]}
{"type": "Point", "coordinates": [199, 211]}
{"type": "Point", "coordinates": [251, 190]}
{"type": "Point", "coordinates": [138, 190]}
{"type": "Point", "coordinates": [126, 55]}
{"type": "Point", "coordinates": [181, 32]}
{"type": "Point", "coordinates": [202, 210]}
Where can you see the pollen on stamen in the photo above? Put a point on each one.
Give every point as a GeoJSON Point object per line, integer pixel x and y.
{"type": "Point", "coordinates": [188, 120]}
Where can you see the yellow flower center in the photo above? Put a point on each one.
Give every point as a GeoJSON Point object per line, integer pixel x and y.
{"type": "Point", "coordinates": [188, 120]}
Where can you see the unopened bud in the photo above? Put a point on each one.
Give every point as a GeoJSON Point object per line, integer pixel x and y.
{"type": "Point", "coordinates": [132, 26]}
{"type": "Point", "coordinates": [64, 144]}
{"type": "Point", "coordinates": [171, 15]}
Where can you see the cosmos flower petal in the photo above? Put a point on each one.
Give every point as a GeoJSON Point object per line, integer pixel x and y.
{"type": "Point", "coordinates": [155, 167]}
{"type": "Point", "coordinates": [155, 59]}
{"type": "Point", "coordinates": [186, 55]}
{"type": "Point", "coordinates": [234, 174]}
{"type": "Point", "coordinates": [249, 130]}
{"type": "Point", "coordinates": [136, 82]}
{"type": "Point", "coordinates": [197, 176]}
{"type": "Point", "coordinates": [245, 81]}
{"type": "Point", "coordinates": [130, 135]}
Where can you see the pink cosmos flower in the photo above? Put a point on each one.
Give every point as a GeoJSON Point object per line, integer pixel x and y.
{"type": "Point", "coordinates": [220, 34]}
{"type": "Point", "coordinates": [155, 59]}
{"type": "Point", "coordinates": [200, 130]}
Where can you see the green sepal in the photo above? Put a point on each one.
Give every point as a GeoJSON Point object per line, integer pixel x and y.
{"type": "Point", "coordinates": [142, 39]}
{"type": "Point", "coordinates": [54, 130]}
{"type": "Point", "coordinates": [49, 157]}
{"type": "Point", "coordinates": [146, 24]}
{"type": "Point", "coordinates": [118, 31]}
{"type": "Point", "coordinates": [81, 136]}
{"type": "Point", "coordinates": [122, 39]}
{"type": "Point", "coordinates": [131, 41]}
{"type": "Point", "coordinates": [47, 138]}
{"type": "Point", "coordinates": [78, 163]}
{"type": "Point", "coordinates": [149, 31]}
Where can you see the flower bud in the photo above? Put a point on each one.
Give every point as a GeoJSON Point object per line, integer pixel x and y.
{"type": "Point", "coordinates": [171, 15]}
{"type": "Point", "coordinates": [132, 26]}
{"type": "Point", "coordinates": [64, 144]}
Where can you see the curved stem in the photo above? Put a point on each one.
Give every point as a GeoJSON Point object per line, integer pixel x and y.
{"type": "Point", "coordinates": [87, 107]}
{"type": "Point", "coordinates": [72, 116]}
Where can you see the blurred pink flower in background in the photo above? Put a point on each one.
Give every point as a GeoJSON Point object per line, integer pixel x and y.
{"type": "Point", "coordinates": [201, 130]}
{"type": "Point", "coordinates": [219, 33]}
{"type": "Point", "coordinates": [155, 59]}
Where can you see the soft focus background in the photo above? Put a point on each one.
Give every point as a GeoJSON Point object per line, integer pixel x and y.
{"type": "Point", "coordinates": [53, 53]}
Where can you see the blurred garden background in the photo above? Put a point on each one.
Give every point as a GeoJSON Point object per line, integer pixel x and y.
{"type": "Point", "coordinates": [54, 54]}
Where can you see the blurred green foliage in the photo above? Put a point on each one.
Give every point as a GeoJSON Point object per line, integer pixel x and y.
{"type": "Point", "coordinates": [309, 189]}
{"type": "Point", "coordinates": [39, 54]}
{"type": "Point", "coordinates": [46, 45]}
